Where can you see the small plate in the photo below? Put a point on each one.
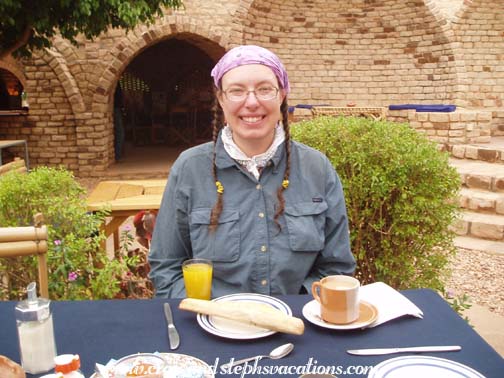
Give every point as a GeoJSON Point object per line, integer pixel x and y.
{"type": "Point", "coordinates": [176, 363]}
{"type": "Point", "coordinates": [236, 330]}
{"type": "Point", "coordinates": [367, 315]}
{"type": "Point", "coordinates": [422, 366]}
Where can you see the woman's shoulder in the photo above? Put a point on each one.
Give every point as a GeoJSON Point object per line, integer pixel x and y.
{"type": "Point", "coordinates": [193, 156]}
{"type": "Point", "coordinates": [195, 153]}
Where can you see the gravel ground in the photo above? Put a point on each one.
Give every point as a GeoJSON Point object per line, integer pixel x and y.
{"type": "Point", "coordinates": [479, 275]}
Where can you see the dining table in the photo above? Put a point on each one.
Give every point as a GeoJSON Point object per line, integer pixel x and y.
{"type": "Point", "coordinates": [122, 199]}
{"type": "Point", "coordinates": [101, 330]}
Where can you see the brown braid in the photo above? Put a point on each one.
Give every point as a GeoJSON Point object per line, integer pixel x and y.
{"type": "Point", "coordinates": [217, 122]}
{"type": "Point", "coordinates": [284, 108]}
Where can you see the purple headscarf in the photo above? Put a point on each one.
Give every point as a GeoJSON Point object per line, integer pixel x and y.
{"type": "Point", "coordinates": [250, 54]}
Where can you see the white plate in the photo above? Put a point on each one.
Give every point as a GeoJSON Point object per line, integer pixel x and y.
{"type": "Point", "coordinates": [236, 330]}
{"type": "Point", "coordinates": [367, 315]}
{"type": "Point", "coordinates": [179, 363]}
{"type": "Point", "coordinates": [421, 367]}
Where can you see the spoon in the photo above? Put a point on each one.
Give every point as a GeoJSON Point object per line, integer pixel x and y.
{"type": "Point", "coordinates": [275, 354]}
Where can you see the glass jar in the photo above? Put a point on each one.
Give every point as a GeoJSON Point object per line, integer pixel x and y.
{"type": "Point", "coordinates": [35, 332]}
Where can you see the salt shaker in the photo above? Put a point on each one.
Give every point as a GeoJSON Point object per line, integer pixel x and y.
{"type": "Point", "coordinates": [36, 333]}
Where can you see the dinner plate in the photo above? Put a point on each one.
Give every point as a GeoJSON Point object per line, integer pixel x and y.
{"type": "Point", "coordinates": [236, 330]}
{"type": "Point", "coordinates": [421, 367]}
{"type": "Point", "coordinates": [181, 365]}
{"type": "Point", "coordinates": [367, 315]}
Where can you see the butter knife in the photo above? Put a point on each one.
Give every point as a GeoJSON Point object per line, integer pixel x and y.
{"type": "Point", "coordinates": [380, 351]}
{"type": "Point", "coordinates": [173, 335]}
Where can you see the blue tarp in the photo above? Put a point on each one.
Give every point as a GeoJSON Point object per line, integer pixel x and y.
{"type": "Point", "coordinates": [424, 108]}
{"type": "Point", "coordinates": [304, 106]}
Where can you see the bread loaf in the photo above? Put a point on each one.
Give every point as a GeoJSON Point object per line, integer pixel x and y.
{"type": "Point", "coordinates": [248, 312]}
{"type": "Point", "coordinates": [9, 369]}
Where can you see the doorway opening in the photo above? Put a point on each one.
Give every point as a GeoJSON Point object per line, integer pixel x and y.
{"type": "Point", "coordinates": [163, 99]}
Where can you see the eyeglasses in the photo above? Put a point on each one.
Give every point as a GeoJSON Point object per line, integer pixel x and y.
{"type": "Point", "coordinates": [264, 93]}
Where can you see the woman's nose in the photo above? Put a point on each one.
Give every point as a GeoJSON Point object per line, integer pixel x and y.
{"type": "Point", "coordinates": [251, 99]}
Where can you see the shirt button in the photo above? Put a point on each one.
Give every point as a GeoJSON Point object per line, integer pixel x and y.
{"type": "Point", "coordinates": [264, 248]}
{"type": "Point", "coordinates": [264, 282]}
{"type": "Point", "coordinates": [258, 186]}
{"type": "Point", "coordinates": [261, 215]}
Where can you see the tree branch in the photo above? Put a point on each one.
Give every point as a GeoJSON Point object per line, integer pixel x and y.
{"type": "Point", "coordinates": [23, 40]}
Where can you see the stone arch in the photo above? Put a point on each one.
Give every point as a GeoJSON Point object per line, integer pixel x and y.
{"type": "Point", "coordinates": [370, 49]}
{"type": "Point", "coordinates": [15, 68]}
{"type": "Point", "coordinates": [133, 44]}
{"type": "Point", "coordinates": [58, 64]}
{"type": "Point", "coordinates": [198, 32]}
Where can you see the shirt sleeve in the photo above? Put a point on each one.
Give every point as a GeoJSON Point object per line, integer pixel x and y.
{"type": "Point", "coordinates": [336, 257]}
{"type": "Point", "coordinates": [170, 242]}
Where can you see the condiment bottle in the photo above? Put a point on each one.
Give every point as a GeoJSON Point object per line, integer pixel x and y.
{"type": "Point", "coordinates": [68, 366]}
{"type": "Point", "coordinates": [35, 332]}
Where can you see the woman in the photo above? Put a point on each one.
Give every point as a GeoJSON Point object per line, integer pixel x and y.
{"type": "Point", "coordinates": [268, 212]}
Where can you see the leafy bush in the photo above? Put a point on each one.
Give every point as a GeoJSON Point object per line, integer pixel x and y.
{"type": "Point", "coordinates": [400, 195]}
{"type": "Point", "coordinates": [78, 267]}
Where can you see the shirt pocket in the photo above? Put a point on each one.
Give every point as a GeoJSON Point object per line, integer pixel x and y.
{"type": "Point", "coordinates": [222, 245]}
{"type": "Point", "coordinates": [305, 224]}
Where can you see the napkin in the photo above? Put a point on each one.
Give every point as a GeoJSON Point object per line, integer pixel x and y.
{"type": "Point", "coordinates": [389, 302]}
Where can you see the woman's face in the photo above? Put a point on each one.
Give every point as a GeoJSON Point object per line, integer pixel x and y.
{"type": "Point", "coordinates": [252, 120]}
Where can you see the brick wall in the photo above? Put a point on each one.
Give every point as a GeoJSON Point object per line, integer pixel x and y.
{"type": "Point", "coordinates": [370, 52]}
{"type": "Point", "coordinates": [479, 35]}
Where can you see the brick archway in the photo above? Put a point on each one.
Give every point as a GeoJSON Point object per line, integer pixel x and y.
{"type": "Point", "coordinates": [14, 67]}
{"type": "Point", "coordinates": [201, 35]}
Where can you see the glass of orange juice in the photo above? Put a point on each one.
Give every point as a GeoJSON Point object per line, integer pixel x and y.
{"type": "Point", "coordinates": [198, 278]}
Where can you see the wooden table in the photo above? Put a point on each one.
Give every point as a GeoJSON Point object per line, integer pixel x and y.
{"type": "Point", "coordinates": [124, 198]}
{"type": "Point", "coordinates": [375, 112]}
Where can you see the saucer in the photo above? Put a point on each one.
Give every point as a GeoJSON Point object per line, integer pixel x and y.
{"type": "Point", "coordinates": [367, 315]}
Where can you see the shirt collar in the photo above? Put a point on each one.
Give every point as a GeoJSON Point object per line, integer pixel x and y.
{"type": "Point", "coordinates": [223, 160]}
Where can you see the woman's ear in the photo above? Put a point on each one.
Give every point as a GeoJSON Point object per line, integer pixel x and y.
{"type": "Point", "coordinates": [220, 97]}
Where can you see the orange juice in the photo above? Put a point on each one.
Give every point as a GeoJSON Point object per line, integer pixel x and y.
{"type": "Point", "coordinates": [198, 279]}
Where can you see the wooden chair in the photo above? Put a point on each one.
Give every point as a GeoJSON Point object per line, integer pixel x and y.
{"type": "Point", "coordinates": [25, 241]}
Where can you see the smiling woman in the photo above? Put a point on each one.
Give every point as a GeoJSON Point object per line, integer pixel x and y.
{"type": "Point", "coordinates": [268, 212]}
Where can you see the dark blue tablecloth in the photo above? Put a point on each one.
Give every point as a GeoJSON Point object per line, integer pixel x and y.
{"type": "Point", "coordinates": [100, 330]}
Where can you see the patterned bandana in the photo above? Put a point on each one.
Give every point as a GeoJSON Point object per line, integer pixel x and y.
{"type": "Point", "coordinates": [250, 54]}
{"type": "Point", "coordinates": [252, 164]}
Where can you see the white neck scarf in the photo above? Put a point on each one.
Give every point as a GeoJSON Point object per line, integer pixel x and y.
{"type": "Point", "coordinates": [252, 164]}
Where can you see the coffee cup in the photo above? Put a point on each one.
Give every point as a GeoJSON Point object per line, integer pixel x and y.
{"type": "Point", "coordinates": [338, 297]}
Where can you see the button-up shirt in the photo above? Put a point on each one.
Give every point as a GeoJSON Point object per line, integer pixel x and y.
{"type": "Point", "coordinates": [250, 253]}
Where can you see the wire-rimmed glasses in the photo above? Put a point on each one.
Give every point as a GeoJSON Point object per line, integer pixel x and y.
{"type": "Point", "coordinates": [264, 93]}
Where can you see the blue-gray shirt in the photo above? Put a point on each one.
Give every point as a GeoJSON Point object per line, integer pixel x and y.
{"type": "Point", "coordinates": [248, 251]}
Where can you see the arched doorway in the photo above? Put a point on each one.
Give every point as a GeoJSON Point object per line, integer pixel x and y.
{"type": "Point", "coordinates": [164, 97]}
{"type": "Point", "coordinates": [11, 91]}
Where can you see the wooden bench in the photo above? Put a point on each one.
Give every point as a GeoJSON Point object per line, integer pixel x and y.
{"type": "Point", "coordinates": [374, 112]}
{"type": "Point", "coordinates": [26, 241]}
{"type": "Point", "coordinates": [18, 165]}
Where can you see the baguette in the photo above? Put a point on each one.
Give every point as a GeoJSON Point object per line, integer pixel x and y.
{"type": "Point", "coordinates": [248, 312]}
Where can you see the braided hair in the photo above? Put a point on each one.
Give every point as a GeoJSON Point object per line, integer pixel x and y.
{"type": "Point", "coordinates": [217, 124]}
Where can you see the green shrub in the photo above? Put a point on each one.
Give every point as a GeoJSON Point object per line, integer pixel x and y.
{"type": "Point", "coordinates": [78, 267]}
{"type": "Point", "coordinates": [400, 195]}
